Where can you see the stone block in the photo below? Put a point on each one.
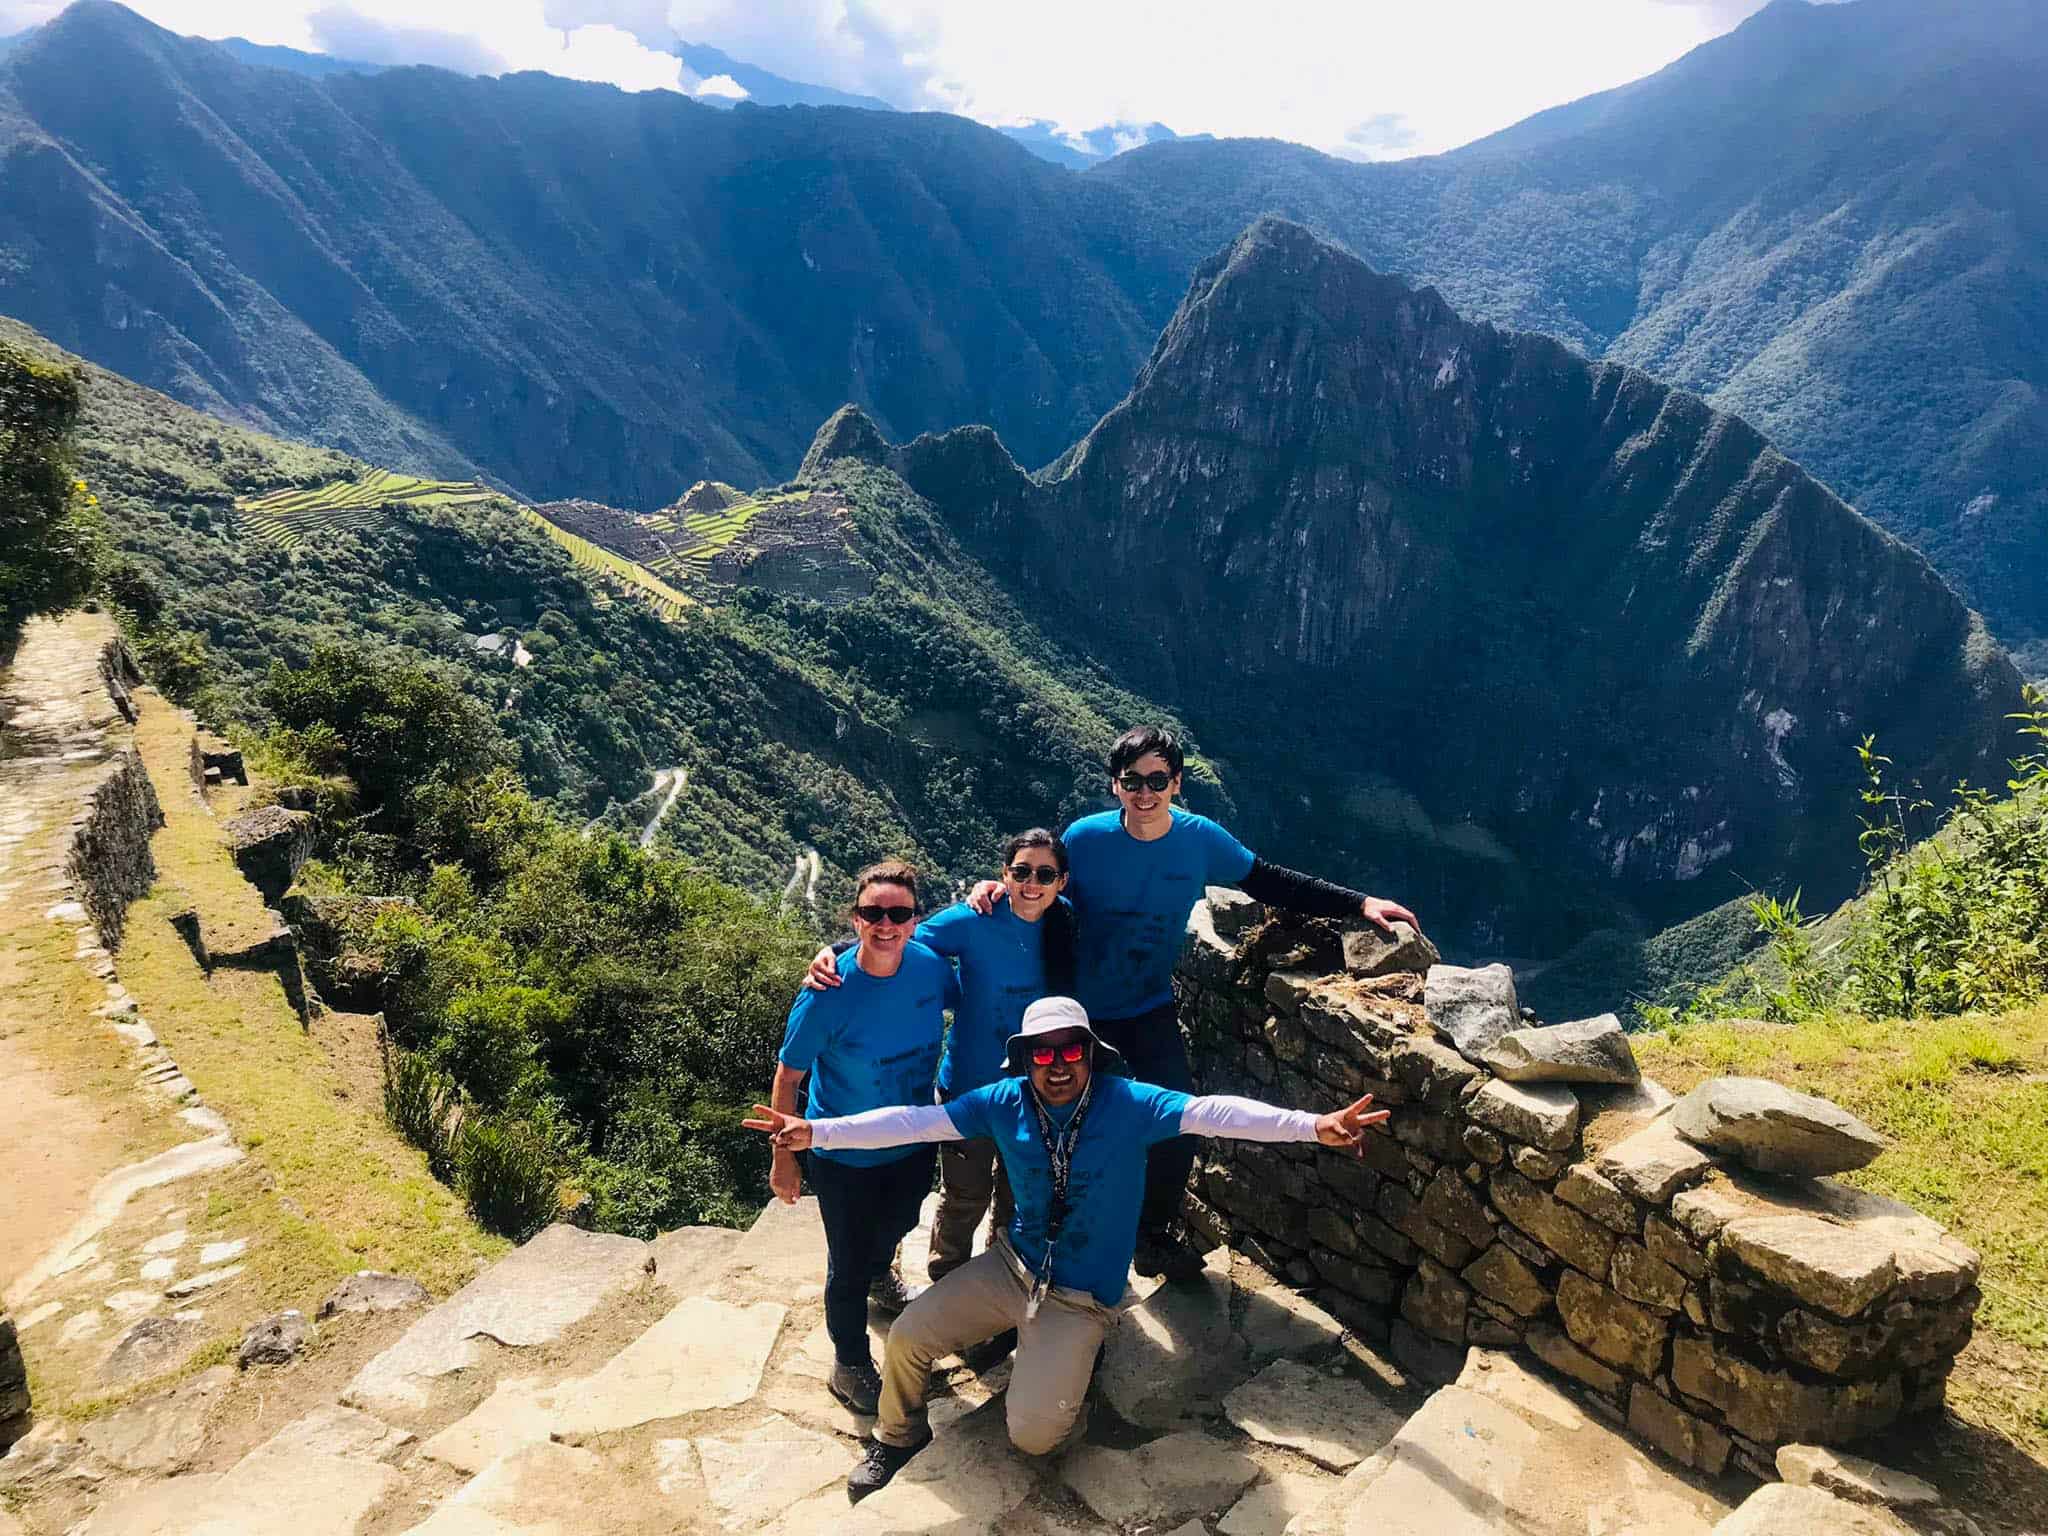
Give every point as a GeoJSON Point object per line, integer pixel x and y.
{"type": "Point", "coordinates": [1401, 1211]}
{"type": "Point", "coordinates": [1561, 1354]}
{"type": "Point", "coordinates": [1778, 1508]}
{"type": "Point", "coordinates": [1838, 1269]}
{"type": "Point", "coordinates": [1331, 1419]}
{"type": "Point", "coordinates": [1502, 1275]}
{"type": "Point", "coordinates": [1641, 1277]}
{"type": "Point", "coordinates": [1471, 1008]}
{"type": "Point", "coordinates": [1701, 1213]}
{"type": "Point", "coordinates": [1773, 1406]}
{"type": "Point", "coordinates": [1435, 1301]}
{"type": "Point", "coordinates": [1853, 1478]}
{"type": "Point", "coordinates": [1543, 1114]}
{"type": "Point", "coordinates": [1668, 1244]}
{"type": "Point", "coordinates": [270, 845]}
{"type": "Point", "coordinates": [1483, 1144]}
{"type": "Point", "coordinates": [1574, 1238]}
{"type": "Point", "coordinates": [1771, 1128]}
{"type": "Point", "coordinates": [1372, 951]}
{"type": "Point", "coordinates": [1232, 913]}
{"type": "Point", "coordinates": [1425, 1358]}
{"type": "Point", "coordinates": [1450, 1203]}
{"type": "Point", "coordinates": [1431, 1073]}
{"type": "Point", "coordinates": [1678, 1434]}
{"type": "Point", "coordinates": [1611, 1327]}
{"type": "Point", "coordinates": [1586, 1189]}
{"type": "Point", "coordinates": [1533, 1163]}
{"type": "Point", "coordinates": [1188, 1473]}
{"type": "Point", "coordinates": [1585, 1051]}
{"type": "Point", "coordinates": [1286, 989]}
{"type": "Point", "coordinates": [1654, 1163]}
{"type": "Point", "coordinates": [274, 1341]}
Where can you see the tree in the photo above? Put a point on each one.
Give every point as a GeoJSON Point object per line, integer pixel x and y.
{"type": "Point", "coordinates": [49, 526]}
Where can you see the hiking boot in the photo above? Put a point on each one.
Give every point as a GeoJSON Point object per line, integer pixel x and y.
{"type": "Point", "coordinates": [879, 1461]}
{"type": "Point", "coordinates": [857, 1386]}
{"type": "Point", "coordinates": [1167, 1255]}
{"type": "Point", "coordinates": [989, 1353]}
{"type": "Point", "coordinates": [889, 1295]}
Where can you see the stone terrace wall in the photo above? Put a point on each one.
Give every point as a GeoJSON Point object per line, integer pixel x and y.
{"type": "Point", "coordinates": [1718, 1312]}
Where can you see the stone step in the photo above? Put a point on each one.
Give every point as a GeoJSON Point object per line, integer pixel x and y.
{"type": "Point", "coordinates": [1504, 1450]}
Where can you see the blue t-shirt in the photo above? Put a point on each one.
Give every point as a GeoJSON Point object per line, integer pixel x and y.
{"type": "Point", "coordinates": [1002, 972]}
{"type": "Point", "coordinates": [1105, 1186]}
{"type": "Point", "coordinates": [1132, 900]}
{"type": "Point", "coordinates": [872, 1042]}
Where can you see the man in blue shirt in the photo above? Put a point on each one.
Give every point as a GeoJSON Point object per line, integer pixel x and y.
{"type": "Point", "coordinates": [1065, 1130]}
{"type": "Point", "coordinates": [1135, 875]}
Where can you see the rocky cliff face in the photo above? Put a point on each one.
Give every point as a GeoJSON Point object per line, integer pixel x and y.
{"type": "Point", "coordinates": [1484, 618]}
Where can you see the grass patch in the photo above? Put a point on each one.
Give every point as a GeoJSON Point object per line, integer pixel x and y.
{"type": "Point", "coordinates": [338, 1167]}
{"type": "Point", "coordinates": [1964, 1104]}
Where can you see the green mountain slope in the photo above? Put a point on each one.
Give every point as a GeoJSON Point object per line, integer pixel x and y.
{"type": "Point", "coordinates": [1519, 633]}
{"type": "Point", "coordinates": [1830, 221]}
{"type": "Point", "coordinates": [930, 718]}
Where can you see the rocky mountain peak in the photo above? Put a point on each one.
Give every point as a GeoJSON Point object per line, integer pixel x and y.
{"type": "Point", "coordinates": [848, 433]}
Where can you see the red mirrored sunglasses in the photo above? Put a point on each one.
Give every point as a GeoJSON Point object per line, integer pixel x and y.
{"type": "Point", "coordinates": [1072, 1051]}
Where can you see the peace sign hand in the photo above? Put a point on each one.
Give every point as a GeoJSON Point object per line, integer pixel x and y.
{"type": "Point", "coordinates": [790, 1133]}
{"type": "Point", "coordinates": [1346, 1127]}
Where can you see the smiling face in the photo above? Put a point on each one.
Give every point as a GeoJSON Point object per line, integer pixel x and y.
{"type": "Point", "coordinates": [1143, 805]}
{"type": "Point", "coordinates": [883, 935]}
{"type": "Point", "coordinates": [1029, 899]}
{"type": "Point", "coordinates": [1060, 1081]}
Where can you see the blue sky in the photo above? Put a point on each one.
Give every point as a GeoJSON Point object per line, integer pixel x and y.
{"type": "Point", "coordinates": [1369, 79]}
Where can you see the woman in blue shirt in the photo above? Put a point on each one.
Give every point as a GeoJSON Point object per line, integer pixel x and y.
{"type": "Point", "coordinates": [1007, 961]}
{"type": "Point", "coordinates": [869, 1042]}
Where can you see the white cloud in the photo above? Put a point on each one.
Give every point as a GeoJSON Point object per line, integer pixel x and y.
{"type": "Point", "coordinates": [1363, 78]}
{"type": "Point", "coordinates": [723, 86]}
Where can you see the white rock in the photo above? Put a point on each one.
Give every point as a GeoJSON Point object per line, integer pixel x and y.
{"type": "Point", "coordinates": [1333, 1420]}
{"type": "Point", "coordinates": [527, 1298]}
{"type": "Point", "coordinates": [205, 1280]}
{"type": "Point", "coordinates": [1853, 1478]}
{"type": "Point", "coordinates": [1266, 1509]}
{"type": "Point", "coordinates": [159, 1270]}
{"type": "Point", "coordinates": [755, 1474]}
{"type": "Point", "coordinates": [1188, 1473]}
{"type": "Point", "coordinates": [704, 1354]}
{"type": "Point", "coordinates": [168, 1242]}
{"type": "Point", "coordinates": [222, 1253]}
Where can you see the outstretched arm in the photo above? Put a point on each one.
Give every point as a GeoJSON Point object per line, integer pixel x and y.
{"type": "Point", "coordinates": [1293, 891]}
{"type": "Point", "coordinates": [1235, 1119]}
{"type": "Point", "coordinates": [896, 1127]}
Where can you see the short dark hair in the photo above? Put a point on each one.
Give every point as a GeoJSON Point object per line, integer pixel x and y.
{"type": "Point", "coordinates": [1038, 837]}
{"type": "Point", "coordinates": [886, 872]}
{"type": "Point", "coordinates": [1141, 741]}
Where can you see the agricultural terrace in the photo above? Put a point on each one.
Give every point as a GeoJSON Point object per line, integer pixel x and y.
{"type": "Point", "coordinates": [637, 579]}
{"type": "Point", "coordinates": [694, 537]}
{"type": "Point", "coordinates": [287, 518]}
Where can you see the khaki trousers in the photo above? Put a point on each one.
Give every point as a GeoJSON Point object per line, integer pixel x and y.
{"type": "Point", "coordinates": [970, 1174]}
{"type": "Point", "coordinates": [1055, 1350]}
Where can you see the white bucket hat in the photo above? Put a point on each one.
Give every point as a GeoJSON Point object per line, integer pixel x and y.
{"type": "Point", "coordinates": [1049, 1016]}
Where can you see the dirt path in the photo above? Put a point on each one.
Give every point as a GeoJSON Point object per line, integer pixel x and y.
{"type": "Point", "coordinates": [55, 1145]}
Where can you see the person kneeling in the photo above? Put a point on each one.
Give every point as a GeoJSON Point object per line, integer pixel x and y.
{"type": "Point", "coordinates": [1071, 1134]}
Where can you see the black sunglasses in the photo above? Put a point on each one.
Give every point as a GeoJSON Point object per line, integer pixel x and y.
{"type": "Point", "coordinates": [1133, 782]}
{"type": "Point", "coordinates": [882, 914]}
{"type": "Point", "coordinates": [1044, 874]}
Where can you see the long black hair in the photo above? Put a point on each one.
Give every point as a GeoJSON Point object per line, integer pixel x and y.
{"type": "Point", "coordinates": [1058, 940]}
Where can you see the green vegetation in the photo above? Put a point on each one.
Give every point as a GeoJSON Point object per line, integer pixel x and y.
{"type": "Point", "coordinates": [568, 1014]}
{"type": "Point", "coordinates": [289, 517]}
{"type": "Point", "coordinates": [1949, 925]}
{"type": "Point", "coordinates": [49, 525]}
{"type": "Point", "coordinates": [631, 575]}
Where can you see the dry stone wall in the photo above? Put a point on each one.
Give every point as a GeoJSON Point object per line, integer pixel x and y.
{"type": "Point", "coordinates": [1719, 1311]}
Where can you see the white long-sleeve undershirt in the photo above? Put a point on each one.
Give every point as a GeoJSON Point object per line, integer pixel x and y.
{"type": "Point", "coordinates": [1210, 1114]}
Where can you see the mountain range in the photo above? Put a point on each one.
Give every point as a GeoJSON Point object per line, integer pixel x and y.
{"type": "Point", "coordinates": [1830, 220]}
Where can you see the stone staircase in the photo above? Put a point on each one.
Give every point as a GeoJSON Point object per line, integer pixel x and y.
{"type": "Point", "coordinates": [591, 1382]}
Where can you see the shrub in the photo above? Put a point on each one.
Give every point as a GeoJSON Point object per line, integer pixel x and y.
{"type": "Point", "coordinates": [509, 1175]}
{"type": "Point", "coordinates": [421, 1101]}
{"type": "Point", "coordinates": [50, 537]}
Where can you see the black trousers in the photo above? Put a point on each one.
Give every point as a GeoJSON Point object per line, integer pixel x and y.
{"type": "Point", "coordinates": [866, 1211]}
{"type": "Point", "coordinates": [1155, 1053]}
